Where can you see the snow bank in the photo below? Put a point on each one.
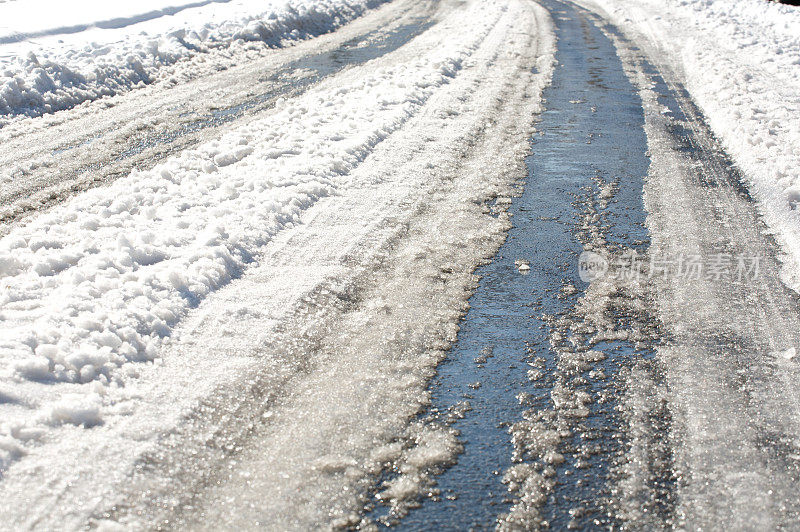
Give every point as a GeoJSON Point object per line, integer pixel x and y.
{"type": "Point", "coordinates": [55, 55]}
{"type": "Point", "coordinates": [40, 18]}
{"type": "Point", "coordinates": [740, 60]}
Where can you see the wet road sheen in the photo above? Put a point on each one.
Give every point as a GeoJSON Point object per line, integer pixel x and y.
{"type": "Point", "coordinates": [589, 137]}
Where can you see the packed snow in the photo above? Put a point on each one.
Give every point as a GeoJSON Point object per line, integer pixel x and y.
{"type": "Point", "coordinates": [254, 275]}
{"type": "Point", "coordinates": [73, 52]}
{"type": "Point", "coordinates": [721, 386]}
{"type": "Point", "coordinates": [91, 287]}
{"type": "Point", "coordinates": [740, 62]}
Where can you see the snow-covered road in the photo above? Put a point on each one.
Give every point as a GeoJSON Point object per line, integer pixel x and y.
{"type": "Point", "coordinates": [338, 232]}
{"type": "Point", "coordinates": [239, 239]}
{"type": "Point", "coordinates": [728, 365]}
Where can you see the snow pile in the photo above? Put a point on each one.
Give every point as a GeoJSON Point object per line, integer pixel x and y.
{"type": "Point", "coordinates": [741, 63]}
{"type": "Point", "coordinates": [55, 55]}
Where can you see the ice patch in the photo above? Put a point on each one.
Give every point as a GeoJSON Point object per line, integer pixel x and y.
{"type": "Point", "coordinates": [786, 354]}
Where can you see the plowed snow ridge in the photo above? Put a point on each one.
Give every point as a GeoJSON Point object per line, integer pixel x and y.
{"type": "Point", "coordinates": [74, 53]}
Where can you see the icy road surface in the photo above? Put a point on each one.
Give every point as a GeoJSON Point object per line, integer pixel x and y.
{"type": "Point", "coordinates": [335, 285]}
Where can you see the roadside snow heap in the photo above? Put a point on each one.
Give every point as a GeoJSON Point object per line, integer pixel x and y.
{"type": "Point", "coordinates": [75, 52]}
{"type": "Point", "coordinates": [740, 60]}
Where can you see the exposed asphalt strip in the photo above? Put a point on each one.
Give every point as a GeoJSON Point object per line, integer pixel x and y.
{"type": "Point", "coordinates": [584, 188]}
{"type": "Point", "coordinates": [657, 395]}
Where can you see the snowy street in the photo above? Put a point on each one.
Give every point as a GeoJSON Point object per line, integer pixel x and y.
{"type": "Point", "coordinates": [413, 264]}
